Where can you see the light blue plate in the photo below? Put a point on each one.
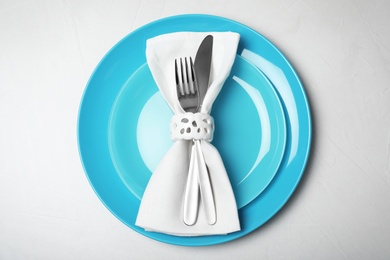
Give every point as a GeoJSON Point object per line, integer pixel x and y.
{"type": "Point", "coordinates": [114, 72]}
{"type": "Point", "coordinates": [250, 130]}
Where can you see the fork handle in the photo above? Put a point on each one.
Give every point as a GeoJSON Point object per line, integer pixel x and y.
{"type": "Point", "coordinates": [191, 195]}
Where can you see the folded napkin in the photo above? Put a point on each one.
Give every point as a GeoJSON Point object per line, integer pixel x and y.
{"type": "Point", "coordinates": [161, 208]}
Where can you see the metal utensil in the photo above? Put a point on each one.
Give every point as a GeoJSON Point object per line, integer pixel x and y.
{"type": "Point", "coordinates": [202, 66]}
{"type": "Point", "coordinates": [186, 86]}
{"type": "Point", "coordinates": [188, 95]}
{"type": "Point", "coordinates": [191, 84]}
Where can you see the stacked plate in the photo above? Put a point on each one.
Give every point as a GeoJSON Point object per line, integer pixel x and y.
{"type": "Point", "coordinates": [262, 119]}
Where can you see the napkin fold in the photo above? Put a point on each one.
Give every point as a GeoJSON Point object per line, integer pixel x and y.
{"type": "Point", "coordinates": [161, 208]}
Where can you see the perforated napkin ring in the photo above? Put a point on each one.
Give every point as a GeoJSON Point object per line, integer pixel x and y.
{"type": "Point", "coordinates": [190, 126]}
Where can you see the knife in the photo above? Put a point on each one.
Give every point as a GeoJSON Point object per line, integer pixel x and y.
{"type": "Point", "coordinates": [201, 180]}
{"type": "Point", "coordinates": [202, 66]}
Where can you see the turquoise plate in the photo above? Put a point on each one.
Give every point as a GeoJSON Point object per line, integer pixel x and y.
{"type": "Point", "coordinates": [250, 130]}
{"type": "Point", "coordinates": [97, 112]}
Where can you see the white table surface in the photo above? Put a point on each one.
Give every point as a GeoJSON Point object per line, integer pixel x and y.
{"type": "Point", "coordinates": [341, 51]}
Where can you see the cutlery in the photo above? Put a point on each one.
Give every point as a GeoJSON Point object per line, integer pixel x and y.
{"type": "Point", "coordinates": [192, 85]}
{"type": "Point", "coordinates": [188, 95]}
{"type": "Point", "coordinates": [186, 87]}
{"type": "Point", "coordinates": [202, 66]}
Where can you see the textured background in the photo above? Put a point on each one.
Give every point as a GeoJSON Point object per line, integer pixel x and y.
{"type": "Point", "coordinates": [341, 51]}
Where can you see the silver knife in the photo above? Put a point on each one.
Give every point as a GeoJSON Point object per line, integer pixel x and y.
{"type": "Point", "coordinates": [202, 66]}
{"type": "Point", "coordinates": [201, 180]}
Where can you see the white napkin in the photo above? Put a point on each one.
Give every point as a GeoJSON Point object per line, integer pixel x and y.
{"type": "Point", "coordinates": [161, 208]}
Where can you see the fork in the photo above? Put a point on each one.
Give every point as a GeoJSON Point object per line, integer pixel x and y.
{"type": "Point", "coordinates": [188, 95]}
{"type": "Point", "coordinates": [186, 85]}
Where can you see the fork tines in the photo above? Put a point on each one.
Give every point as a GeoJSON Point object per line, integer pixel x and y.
{"type": "Point", "coordinates": [185, 77]}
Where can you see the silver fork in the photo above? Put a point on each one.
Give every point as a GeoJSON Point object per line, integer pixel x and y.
{"type": "Point", "coordinates": [188, 95]}
{"type": "Point", "coordinates": [186, 85]}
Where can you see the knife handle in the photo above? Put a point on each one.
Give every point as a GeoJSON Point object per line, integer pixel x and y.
{"type": "Point", "coordinates": [191, 195]}
{"type": "Point", "coordinates": [206, 191]}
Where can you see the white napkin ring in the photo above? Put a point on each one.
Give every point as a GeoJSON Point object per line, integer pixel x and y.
{"type": "Point", "coordinates": [190, 126]}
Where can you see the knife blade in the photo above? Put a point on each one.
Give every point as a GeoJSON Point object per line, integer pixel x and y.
{"type": "Point", "coordinates": [202, 66]}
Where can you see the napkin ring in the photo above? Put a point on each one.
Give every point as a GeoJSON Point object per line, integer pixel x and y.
{"type": "Point", "coordinates": [192, 126]}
